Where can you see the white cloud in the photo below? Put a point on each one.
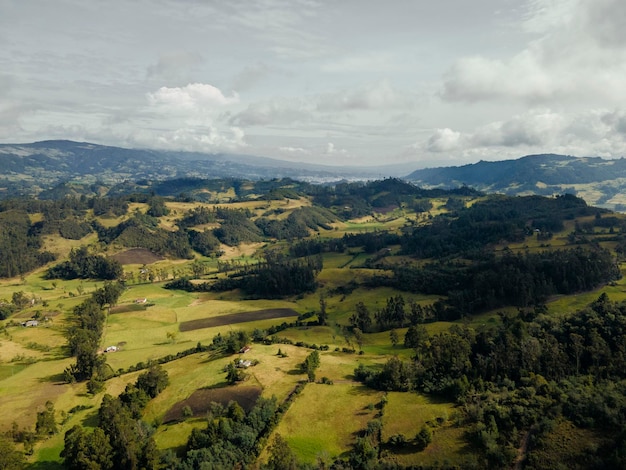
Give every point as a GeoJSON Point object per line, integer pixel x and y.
{"type": "Point", "coordinates": [195, 96]}
{"type": "Point", "coordinates": [534, 128]}
{"type": "Point", "coordinates": [579, 50]}
{"type": "Point", "coordinates": [294, 150]}
{"type": "Point", "coordinates": [332, 150]}
{"type": "Point", "coordinates": [193, 118]}
{"type": "Point", "coordinates": [193, 139]}
{"type": "Point", "coordinates": [444, 140]}
{"type": "Point", "coordinates": [593, 132]}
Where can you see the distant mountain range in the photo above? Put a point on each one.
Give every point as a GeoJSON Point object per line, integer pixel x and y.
{"type": "Point", "coordinates": [28, 169]}
{"type": "Point", "coordinates": [599, 181]}
{"type": "Point", "coordinates": [36, 168]}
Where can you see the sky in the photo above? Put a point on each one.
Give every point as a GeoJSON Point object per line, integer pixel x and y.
{"type": "Point", "coordinates": [344, 82]}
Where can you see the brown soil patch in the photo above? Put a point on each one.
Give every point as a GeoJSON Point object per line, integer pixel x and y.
{"type": "Point", "coordinates": [243, 317]}
{"type": "Point", "coordinates": [136, 256]}
{"type": "Point", "coordinates": [200, 400]}
{"type": "Point", "coordinates": [386, 209]}
{"type": "Point", "coordinates": [128, 308]}
{"type": "Point", "coordinates": [245, 249]}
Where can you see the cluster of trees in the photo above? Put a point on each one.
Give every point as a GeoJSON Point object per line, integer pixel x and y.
{"type": "Point", "coordinates": [231, 343]}
{"type": "Point", "coordinates": [497, 219]}
{"type": "Point", "coordinates": [84, 265]}
{"type": "Point", "coordinates": [310, 247]}
{"type": "Point", "coordinates": [109, 206]}
{"type": "Point", "coordinates": [371, 242]}
{"type": "Point", "coordinates": [520, 279]}
{"type": "Point", "coordinates": [121, 439]}
{"type": "Point", "coordinates": [297, 224]}
{"type": "Point", "coordinates": [10, 457]}
{"type": "Point", "coordinates": [523, 374]}
{"type": "Point", "coordinates": [142, 230]}
{"type": "Point", "coordinates": [274, 278]}
{"type": "Point", "coordinates": [310, 365]}
{"type": "Point", "coordinates": [74, 228]}
{"type": "Point", "coordinates": [236, 227]}
{"type": "Point", "coordinates": [197, 216]}
{"type": "Point", "coordinates": [396, 313]}
{"type": "Point", "coordinates": [86, 325]}
{"type": "Point", "coordinates": [231, 438]}
{"type": "Point", "coordinates": [20, 245]}
{"type": "Point", "coordinates": [358, 199]}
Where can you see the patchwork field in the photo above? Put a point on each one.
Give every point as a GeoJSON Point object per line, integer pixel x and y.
{"type": "Point", "coordinates": [149, 323]}
{"type": "Point", "coordinates": [325, 419]}
{"type": "Point", "coordinates": [234, 318]}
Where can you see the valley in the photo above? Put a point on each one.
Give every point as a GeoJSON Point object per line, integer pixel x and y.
{"type": "Point", "coordinates": [449, 326]}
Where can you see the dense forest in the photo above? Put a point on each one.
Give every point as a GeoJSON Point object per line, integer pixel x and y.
{"type": "Point", "coordinates": [526, 373]}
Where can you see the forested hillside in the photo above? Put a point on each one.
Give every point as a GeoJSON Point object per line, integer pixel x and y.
{"type": "Point", "coordinates": [600, 181]}
{"type": "Point", "coordinates": [279, 324]}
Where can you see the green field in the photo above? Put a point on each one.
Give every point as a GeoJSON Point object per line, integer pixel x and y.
{"type": "Point", "coordinates": [324, 419]}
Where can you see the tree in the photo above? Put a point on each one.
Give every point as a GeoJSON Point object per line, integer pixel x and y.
{"type": "Point", "coordinates": [10, 457]}
{"type": "Point", "coordinates": [153, 381]}
{"type": "Point", "coordinates": [281, 457]}
{"type": "Point", "coordinates": [233, 375]}
{"type": "Point", "coordinates": [415, 336]}
{"type": "Point", "coordinates": [322, 316]}
{"type": "Point", "coordinates": [46, 424]}
{"type": "Point", "coordinates": [424, 437]}
{"type": "Point", "coordinates": [187, 411]}
{"type": "Point", "coordinates": [171, 336]}
{"type": "Point", "coordinates": [393, 337]}
{"type": "Point", "coordinates": [358, 337]}
{"type": "Point", "coordinates": [87, 451]}
{"type": "Point", "coordinates": [310, 364]}
{"type": "Point", "coordinates": [361, 319]}
{"type": "Point", "coordinates": [20, 300]}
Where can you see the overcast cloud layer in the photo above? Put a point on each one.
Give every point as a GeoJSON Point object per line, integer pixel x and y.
{"type": "Point", "coordinates": [356, 82]}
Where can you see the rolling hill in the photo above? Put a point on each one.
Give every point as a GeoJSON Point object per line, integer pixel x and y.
{"type": "Point", "coordinates": [599, 181]}
{"type": "Point", "coordinates": [29, 169]}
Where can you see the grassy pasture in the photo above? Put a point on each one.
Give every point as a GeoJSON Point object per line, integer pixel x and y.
{"type": "Point", "coordinates": [324, 419]}
{"type": "Point", "coordinates": [406, 413]}
{"type": "Point", "coordinates": [272, 376]}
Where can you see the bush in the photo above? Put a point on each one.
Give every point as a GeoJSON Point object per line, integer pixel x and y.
{"type": "Point", "coordinates": [423, 438]}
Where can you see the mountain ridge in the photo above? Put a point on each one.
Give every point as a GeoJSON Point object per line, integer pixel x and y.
{"type": "Point", "coordinates": [598, 180]}
{"type": "Point", "coordinates": [32, 168]}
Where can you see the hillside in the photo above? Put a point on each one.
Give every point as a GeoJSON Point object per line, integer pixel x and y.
{"type": "Point", "coordinates": [28, 169]}
{"type": "Point", "coordinates": [599, 181]}
{"type": "Point", "coordinates": [277, 324]}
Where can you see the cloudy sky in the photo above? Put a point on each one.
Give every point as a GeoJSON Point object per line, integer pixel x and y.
{"type": "Point", "coordinates": [357, 82]}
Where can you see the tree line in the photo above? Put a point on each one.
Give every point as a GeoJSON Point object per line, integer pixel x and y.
{"type": "Point", "coordinates": [519, 279]}
{"type": "Point", "coordinates": [121, 439]}
{"type": "Point", "coordinates": [273, 278]}
{"type": "Point", "coordinates": [86, 324]}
